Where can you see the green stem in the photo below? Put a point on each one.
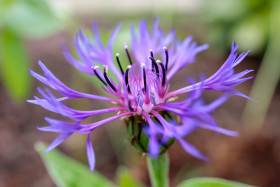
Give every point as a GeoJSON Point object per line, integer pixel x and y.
{"type": "Point", "coordinates": [267, 77]}
{"type": "Point", "coordinates": [158, 170]}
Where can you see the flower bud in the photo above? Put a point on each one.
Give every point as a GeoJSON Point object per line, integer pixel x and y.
{"type": "Point", "coordinates": [138, 136]}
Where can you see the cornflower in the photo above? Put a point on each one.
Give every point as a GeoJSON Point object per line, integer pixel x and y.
{"type": "Point", "coordinates": [141, 92]}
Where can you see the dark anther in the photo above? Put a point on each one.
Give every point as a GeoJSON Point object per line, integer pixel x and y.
{"type": "Point", "coordinates": [129, 105]}
{"type": "Point", "coordinates": [126, 78]}
{"type": "Point", "coordinates": [154, 64]}
{"type": "Point", "coordinates": [144, 75]}
{"type": "Point", "coordinates": [166, 58]}
{"type": "Point", "coordinates": [97, 75]}
{"type": "Point", "coordinates": [163, 72]}
{"type": "Point", "coordinates": [127, 53]}
{"type": "Point", "coordinates": [107, 79]}
{"type": "Point", "coordinates": [151, 53]}
{"type": "Point", "coordinates": [118, 60]}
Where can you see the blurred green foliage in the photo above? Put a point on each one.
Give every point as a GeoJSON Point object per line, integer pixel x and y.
{"type": "Point", "coordinates": [268, 75]}
{"type": "Point", "coordinates": [28, 18]}
{"type": "Point", "coordinates": [66, 172]}
{"type": "Point", "coordinates": [245, 21]}
{"type": "Point", "coordinates": [14, 63]}
{"type": "Point", "coordinates": [211, 182]}
{"type": "Point", "coordinates": [21, 19]}
{"type": "Point", "coordinates": [125, 179]}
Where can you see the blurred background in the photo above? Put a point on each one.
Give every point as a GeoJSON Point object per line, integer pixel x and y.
{"type": "Point", "coordinates": [31, 30]}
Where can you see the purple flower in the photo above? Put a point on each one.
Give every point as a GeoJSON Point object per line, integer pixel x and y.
{"type": "Point", "coordinates": [141, 89]}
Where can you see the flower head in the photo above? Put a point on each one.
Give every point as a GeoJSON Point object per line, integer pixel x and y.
{"type": "Point", "coordinates": [141, 91]}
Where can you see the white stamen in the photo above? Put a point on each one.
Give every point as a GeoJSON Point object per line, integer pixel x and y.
{"type": "Point", "coordinates": [172, 98]}
{"type": "Point", "coordinates": [105, 68]}
{"type": "Point", "coordinates": [125, 46]}
{"type": "Point", "coordinates": [147, 107]}
{"type": "Point", "coordinates": [95, 67]}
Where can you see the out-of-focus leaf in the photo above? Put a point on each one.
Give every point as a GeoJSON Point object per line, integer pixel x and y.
{"type": "Point", "coordinates": [158, 170]}
{"type": "Point", "coordinates": [14, 63]}
{"type": "Point", "coordinates": [211, 182]}
{"type": "Point", "coordinates": [28, 18]}
{"type": "Point", "coordinates": [220, 10]}
{"type": "Point", "coordinates": [268, 76]}
{"type": "Point", "coordinates": [125, 179]}
{"type": "Point", "coordinates": [69, 173]}
{"type": "Point", "coordinates": [251, 33]}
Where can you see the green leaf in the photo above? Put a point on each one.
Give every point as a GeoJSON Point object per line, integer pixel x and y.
{"type": "Point", "coordinates": [28, 18]}
{"type": "Point", "coordinates": [247, 30]}
{"type": "Point", "coordinates": [13, 65]}
{"type": "Point", "coordinates": [232, 10]}
{"type": "Point", "coordinates": [69, 173]}
{"type": "Point", "coordinates": [158, 170]}
{"type": "Point", "coordinates": [125, 179]}
{"type": "Point", "coordinates": [211, 182]}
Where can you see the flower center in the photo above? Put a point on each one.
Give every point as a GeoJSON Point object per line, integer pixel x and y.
{"type": "Point", "coordinates": [143, 86]}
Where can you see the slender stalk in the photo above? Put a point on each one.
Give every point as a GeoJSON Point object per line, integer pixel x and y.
{"type": "Point", "coordinates": [158, 170]}
{"type": "Point", "coordinates": [267, 77]}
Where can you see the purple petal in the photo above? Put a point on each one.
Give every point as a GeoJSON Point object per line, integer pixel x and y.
{"type": "Point", "coordinates": [219, 130]}
{"type": "Point", "coordinates": [240, 58]}
{"type": "Point", "coordinates": [192, 150]}
{"type": "Point", "coordinates": [77, 64]}
{"type": "Point", "coordinates": [97, 36]}
{"type": "Point", "coordinates": [186, 128]}
{"type": "Point", "coordinates": [61, 138]}
{"type": "Point", "coordinates": [40, 78]}
{"type": "Point", "coordinates": [154, 146]}
{"type": "Point", "coordinates": [113, 36]}
{"type": "Point", "coordinates": [66, 91]}
{"type": "Point", "coordinates": [184, 54]}
{"type": "Point", "coordinates": [92, 126]}
{"type": "Point", "coordinates": [211, 107]}
{"type": "Point", "coordinates": [228, 90]}
{"type": "Point", "coordinates": [59, 126]}
{"type": "Point", "coordinates": [90, 154]}
{"type": "Point", "coordinates": [51, 103]}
